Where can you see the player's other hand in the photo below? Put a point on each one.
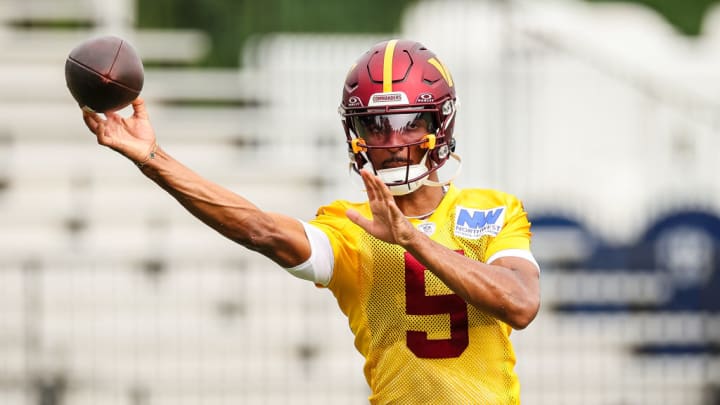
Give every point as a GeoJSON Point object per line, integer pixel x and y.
{"type": "Point", "coordinates": [387, 223]}
{"type": "Point", "coordinates": [133, 136]}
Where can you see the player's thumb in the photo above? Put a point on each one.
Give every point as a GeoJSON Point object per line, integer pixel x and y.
{"type": "Point", "coordinates": [358, 219]}
{"type": "Point", "coordinates": [139, 110]}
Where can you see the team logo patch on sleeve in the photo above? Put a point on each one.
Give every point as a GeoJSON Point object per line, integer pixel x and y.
{"type": "Point", "coordinates": [474, 224]}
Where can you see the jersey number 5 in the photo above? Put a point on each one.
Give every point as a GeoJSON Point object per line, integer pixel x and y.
{"type": "Point", "coordinates": [418, 303]}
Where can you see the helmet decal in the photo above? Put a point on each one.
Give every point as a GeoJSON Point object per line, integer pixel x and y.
{"type": "Point", "coordinates": [355, 101]}
{"type": "Point", "coordinates": [393, 98]}
{"type": "Point", "coordinates": [388, 66]}
{"type": "Point", "coordinates": [425, 98]}
{"type": "Point", "coordinates": [442, 69]}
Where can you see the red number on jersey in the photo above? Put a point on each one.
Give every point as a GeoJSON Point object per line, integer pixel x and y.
{"type": "Point", "coordinates": [418, 303]}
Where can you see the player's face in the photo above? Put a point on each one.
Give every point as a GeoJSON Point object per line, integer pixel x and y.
{"type": "Point", "coordinates": [395, 134]}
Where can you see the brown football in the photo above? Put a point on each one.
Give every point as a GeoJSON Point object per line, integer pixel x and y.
{"type": "Point", "coordinates": [104, 73]}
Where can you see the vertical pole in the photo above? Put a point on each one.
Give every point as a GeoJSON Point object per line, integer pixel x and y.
{"type": "Point", "coordinates": [32, 319]}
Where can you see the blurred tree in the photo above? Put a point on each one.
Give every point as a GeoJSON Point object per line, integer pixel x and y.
{"type": "Point", "coordinates": [230, 22]}
{"type": "Point", "coordinates": [685, 15]}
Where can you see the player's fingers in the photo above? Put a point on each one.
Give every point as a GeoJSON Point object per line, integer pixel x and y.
{"type": "Point", "coordinates": [357, 218]}
{"type": "Point", "coordinates": [113, 116]}
{"type": "Point", "coordinates": [380, 190]}
{"type": "Point", "coordinates": [139, 110]}
{"type": "Point", "coordinates": [92, 121]}
{"type": "Point", "coordinates": [369, 184]}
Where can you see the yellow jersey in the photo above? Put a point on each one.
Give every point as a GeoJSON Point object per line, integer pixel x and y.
{"type": "Point", "coordinates": [422, 343]}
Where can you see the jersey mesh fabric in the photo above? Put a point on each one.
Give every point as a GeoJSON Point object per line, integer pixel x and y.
{"type": "Point", "coordinates": [422, 343]}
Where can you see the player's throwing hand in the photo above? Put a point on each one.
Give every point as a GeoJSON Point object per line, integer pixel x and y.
{"type": "Point", "coordinates": [132, 137]}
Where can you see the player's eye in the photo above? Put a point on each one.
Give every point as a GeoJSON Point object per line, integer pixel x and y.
{"type": "Point", "coordinates": [416, 124]}
{"type": "Point", "coordinates": [374, 130]}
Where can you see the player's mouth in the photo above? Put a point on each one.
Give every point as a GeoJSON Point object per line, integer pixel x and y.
{"type": "Point", "coordinates": [395, 162]}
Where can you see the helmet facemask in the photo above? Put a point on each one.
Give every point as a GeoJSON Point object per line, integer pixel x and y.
{"type": "Point", "coordinates": [369, 131]}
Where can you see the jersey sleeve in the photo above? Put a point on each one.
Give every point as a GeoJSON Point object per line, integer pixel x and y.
{"type": "Point", "coordinates": [318, 267]}
{"type": "Point", "coordinates": [333, 221]}
{"type": "Point", "coordinates": [515, 234]}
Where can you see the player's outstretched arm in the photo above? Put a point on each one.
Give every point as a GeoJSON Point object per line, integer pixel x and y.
{"type": "Point", "coordinates": [279, 237]}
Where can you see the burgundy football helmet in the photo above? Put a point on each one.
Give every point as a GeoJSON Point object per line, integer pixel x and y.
{"type": "Point", "coordinates": [393, 84]}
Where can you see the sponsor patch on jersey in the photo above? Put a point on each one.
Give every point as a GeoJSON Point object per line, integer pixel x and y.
{"type": "Point", "coordinates": [474, 224]}
{"type": "Point", "coordinates": [428, 228]}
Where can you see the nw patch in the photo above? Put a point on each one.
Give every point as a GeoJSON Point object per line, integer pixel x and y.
{"type": "Point", "coordinates": [474, 224]}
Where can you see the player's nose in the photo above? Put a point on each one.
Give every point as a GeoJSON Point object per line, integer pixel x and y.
{"type": "Point", "coordinates": [394, 140]}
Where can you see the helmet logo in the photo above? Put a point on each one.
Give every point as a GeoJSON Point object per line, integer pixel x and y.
{"type": "Point", "coordinates": [393, 98]}
{"type": "Point", "coordinates": [354, 101]}
{"type": "Point", "coordinates": [425, 98]}
{"type": "Point", "coordinates": [442, 69]}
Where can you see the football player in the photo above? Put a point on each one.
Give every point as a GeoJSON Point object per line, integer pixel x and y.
{"type": "Point", "coordinates": [432, 278]}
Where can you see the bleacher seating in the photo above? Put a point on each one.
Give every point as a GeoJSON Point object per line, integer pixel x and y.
{"type": "Point", "coordinates": [107, 283]}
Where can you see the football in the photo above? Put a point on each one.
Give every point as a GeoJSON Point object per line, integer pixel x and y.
{"type": "Point", "coordinates": [104, 73]}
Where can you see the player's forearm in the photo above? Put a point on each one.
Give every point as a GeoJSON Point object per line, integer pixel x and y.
{"type": "Point", "coordinates": [498, 290]}
{"type": "Point", "coordinates": [228, 213]}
